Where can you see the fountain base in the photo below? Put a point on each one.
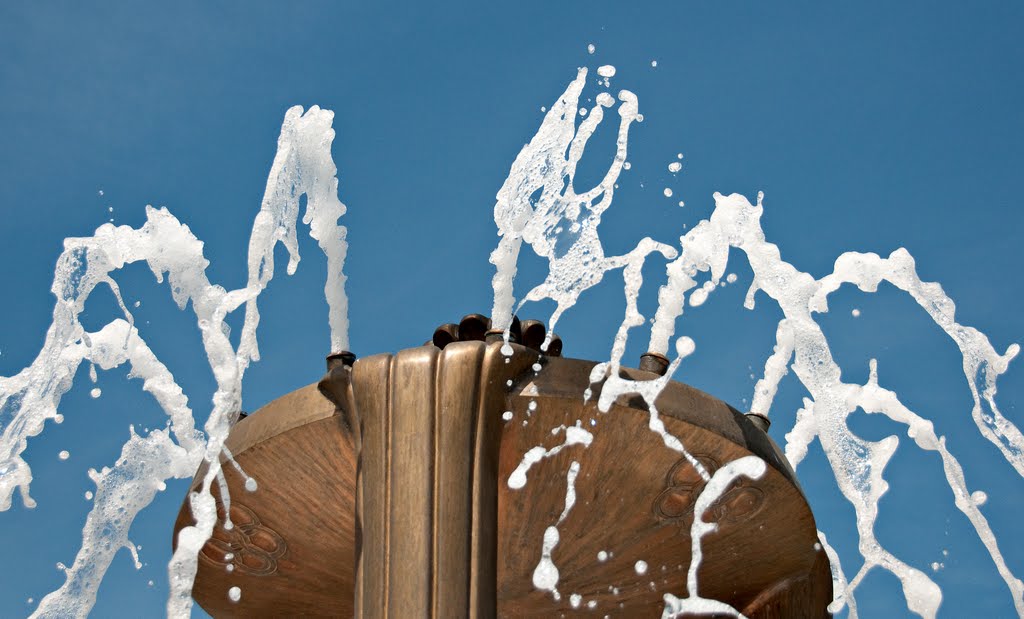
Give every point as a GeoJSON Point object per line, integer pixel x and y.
{"type": "Point", "coordinates": [393, 499]}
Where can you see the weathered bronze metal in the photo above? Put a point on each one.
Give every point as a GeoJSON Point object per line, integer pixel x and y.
{"type": "Point", "coordinates": [446, 334]}
{"type": "Point", "coordinates": [343, 357]}
{"type": "Point", "coordinates": [389, 497]}
{"type": "Point", "coordinates": [761, 421]}
{"type": "Point", "coordinates": [654, 362]}
{"type": "Point", "coordinates": [473, 327]}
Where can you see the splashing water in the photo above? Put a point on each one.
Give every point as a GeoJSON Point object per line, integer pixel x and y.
{"type": "Point", "coordinates": [545, 575]}
{"type": "Point", "coordinates": [751, 467]}
{"type": "Point", "coordinates": [532, 206]}
{"type": "Point", "coordinates": [574, 435]}
{"type": "Point", "coordinates": [538, 204]}
{"type": "Point", "coordinates": [303, 165]}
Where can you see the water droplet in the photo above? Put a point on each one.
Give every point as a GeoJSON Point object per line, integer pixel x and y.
{"type": "Point", "coordinates": [654, 63]}
{"type": "Point", "coordinates": [590, 50]}
{"type": "Point", "coordinates": [674, 167]}
{"type": "Point", "coordinates": [606, 70]}
{"type": "Point", "coordinates": [979, 497]}
{"type": "Point", "coordinates": [855, 312]}
{"type": "Point", "coordinates": [234, 594]}
{"type": "Point", "coordinates": [250, 484]}
{"type": "Point", "coordinates": [96, 392]}
{"type": "Point", "coordinates": [88, 495]}
{"type": "Point", "coordinates": [627, 165]}
{"type": "Point", "coordinates": [64, 455]}
{"type": "Point", "coordinates": [602, 556]}
{"type": "Point", "coordinates": [536, 367]}
{"type": "Point", "coordinates": [667, 192]}
{"type": "Point", "coordinates": [507, 415]}
{"type": "Point", "coordinates": [640, 567]}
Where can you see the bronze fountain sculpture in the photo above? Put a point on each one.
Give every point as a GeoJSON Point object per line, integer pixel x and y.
{"type": "Point", "coordinates": [388, 497]}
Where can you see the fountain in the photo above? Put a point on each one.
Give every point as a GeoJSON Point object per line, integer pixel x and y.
{"type": "Point", "coordinates": [415, 475]}
{"type": "Point", "coordinates": [462, 477]}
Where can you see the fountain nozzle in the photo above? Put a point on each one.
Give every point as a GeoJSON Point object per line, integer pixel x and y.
{"type": "Point", "coordinates": [654, 362]}
{"type": "Point", "coordinates": [343, 357]}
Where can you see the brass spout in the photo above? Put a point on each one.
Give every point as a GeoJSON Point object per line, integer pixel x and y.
{"type": "Point", "coordinates": [654, 362]}
{"type": "Point", "coordinates": [343, 357]}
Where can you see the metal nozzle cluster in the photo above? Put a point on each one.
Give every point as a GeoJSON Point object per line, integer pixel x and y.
{"type": "Point", "coordinates": [477, 327]}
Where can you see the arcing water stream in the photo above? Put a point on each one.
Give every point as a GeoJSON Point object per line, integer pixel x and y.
{"type": "Point", "coordinates": [28, 400]}
{"type": "Point", "coordinates": [540, 205]}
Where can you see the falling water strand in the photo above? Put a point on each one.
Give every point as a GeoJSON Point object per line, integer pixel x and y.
{"type": "Point", "coordinates": [574, 435]}
{"type": "Point", "coordinates": [303, 165]}
{"type": "Point", "coordinates": [616, 385]}
{"type": "Point", "coordinates": [856, 463]}
{"type": "Point", "coordinates": [545, 575]}
{"type": "Point", "coordinates": [751, 467]}
{"type": "Point", "coordinates": [839, 582]}
{"type": "Point", "coordinates": [538, 204]}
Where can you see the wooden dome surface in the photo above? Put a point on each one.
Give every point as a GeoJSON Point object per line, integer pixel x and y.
{"type": "Point", "coordinates": [293, 548]}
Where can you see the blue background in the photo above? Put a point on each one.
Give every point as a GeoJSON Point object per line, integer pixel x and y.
{"type": "Point", "coordinates": [868, 127]}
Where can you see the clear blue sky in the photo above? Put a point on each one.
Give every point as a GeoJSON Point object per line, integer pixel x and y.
{"type": "Point", "coordinates": [869, 126]}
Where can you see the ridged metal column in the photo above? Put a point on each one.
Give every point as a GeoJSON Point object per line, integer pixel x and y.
{"type": "Point", "coordinates": [426, 497]}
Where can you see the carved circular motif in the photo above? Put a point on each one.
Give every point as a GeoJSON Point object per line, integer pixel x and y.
{"type": "Point", "coordinates": [249, 547]}
{"type": "Point", "coordinates": [683, 484]}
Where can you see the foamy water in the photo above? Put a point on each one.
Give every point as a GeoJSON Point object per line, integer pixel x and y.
{"type": "Point", "coordinates": [303, 165]}
{"type": "Point", "coordinates": [703, 254]}
{"type": "Point", "coordinates": [538, 205]}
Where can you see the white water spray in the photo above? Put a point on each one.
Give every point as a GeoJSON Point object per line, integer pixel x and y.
{"type": "Point", "coordinates": [751, 467]}
{"type": "Point", "coordinates": [857, 464]}
{"type": "Point", "coordinates": [303, 165]}
{"type": "Point", "coordinates": [539, 204]}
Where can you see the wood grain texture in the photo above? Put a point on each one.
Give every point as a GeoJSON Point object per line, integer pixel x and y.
{"type": "Point", "coordinates": [427, 515]}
